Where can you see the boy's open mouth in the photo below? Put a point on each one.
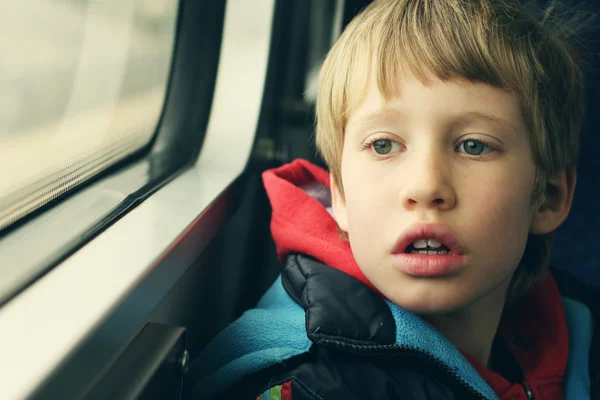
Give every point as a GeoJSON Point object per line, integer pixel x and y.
{"type": "Point", "coordinates": [427, 247]}
{"type": "Point", "coordinates": [423, 239]}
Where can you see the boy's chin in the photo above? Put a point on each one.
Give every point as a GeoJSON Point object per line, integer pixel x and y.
{"type": "Point", "coordinates": [432, 309]}
{"type": "Point", "coordinates": [434, 303]}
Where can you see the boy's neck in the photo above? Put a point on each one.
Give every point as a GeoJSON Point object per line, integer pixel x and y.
{"type": "Point", "coordinates": [473, 329]}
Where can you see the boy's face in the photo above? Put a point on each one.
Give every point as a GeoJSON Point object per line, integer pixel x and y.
{"type": "Point", "coordinates": [449, 161]}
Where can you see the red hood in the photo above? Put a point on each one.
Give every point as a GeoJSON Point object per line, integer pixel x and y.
{"type": "Point", "coordinates": [534, 327]}
{"type": "Point", "coordinates": [302, 224]}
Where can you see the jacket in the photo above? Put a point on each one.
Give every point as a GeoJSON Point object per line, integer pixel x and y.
{"type": "Point", "coordinates": [322, 331]}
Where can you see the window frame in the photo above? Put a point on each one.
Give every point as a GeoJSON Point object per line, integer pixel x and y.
{"type": "Point", "coordinates": [99, 202]}
{"type": "Point", "coordinates": [42, 330]}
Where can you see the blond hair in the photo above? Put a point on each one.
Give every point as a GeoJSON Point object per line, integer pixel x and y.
{"type": "Point", "coordinates": [498, 42]}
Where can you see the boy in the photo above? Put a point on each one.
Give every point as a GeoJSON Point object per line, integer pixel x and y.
{"type": "Point", "coordinates": [419, 268]}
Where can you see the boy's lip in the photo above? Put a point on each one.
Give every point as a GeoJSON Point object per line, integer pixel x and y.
{"type": "Point", "coordinates": [426, 265]}
{"type": "Point", "coordinates": [438, 232]}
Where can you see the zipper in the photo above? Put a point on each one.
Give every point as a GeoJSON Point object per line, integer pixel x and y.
{"type": "Point", "coordinates": [394, 348]}
{"type": "Point", "coordinates": [528, 392]}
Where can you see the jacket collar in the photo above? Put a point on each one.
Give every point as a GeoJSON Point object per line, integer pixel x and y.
{"type": "Point", "coordinates": [344, 314]}
{"type": "Point", "coordinates": [341, 312]}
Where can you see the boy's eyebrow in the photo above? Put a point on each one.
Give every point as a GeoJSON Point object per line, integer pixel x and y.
{"type": "Point", "coordinates": [367, 120]}
{"type": "Point", "coordinates": [472, 116]}
{"type": "Point", "coordinates": [459, 119]}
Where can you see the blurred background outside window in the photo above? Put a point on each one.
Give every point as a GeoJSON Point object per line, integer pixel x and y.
{"type": "Point", "coordinates": [82, 86]}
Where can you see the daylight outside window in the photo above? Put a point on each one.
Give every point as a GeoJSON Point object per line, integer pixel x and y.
{"type": "Point", "coordinates": [82, 85]}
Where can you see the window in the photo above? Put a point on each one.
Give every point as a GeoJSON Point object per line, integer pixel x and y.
{"type": "Point", "coordinates": [82, 86]}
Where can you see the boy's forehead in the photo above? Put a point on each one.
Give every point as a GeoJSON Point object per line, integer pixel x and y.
{"type": "Point", "coordinates": [371, 90]}
{"type": "Point", "coordinates": [480, 103]}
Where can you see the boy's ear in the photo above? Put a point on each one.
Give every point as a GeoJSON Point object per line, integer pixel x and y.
{"type": "Point", "coordinates": [338, 205]}
{"type": "Point", "coordinates": [555, 203]}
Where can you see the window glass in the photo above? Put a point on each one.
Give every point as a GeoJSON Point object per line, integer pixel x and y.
{"type": "Point", "coordinates": [82, 85]}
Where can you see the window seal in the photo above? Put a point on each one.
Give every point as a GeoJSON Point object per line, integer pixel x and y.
{"type": "Point", "coordinates": [61, 227]}
{"type": "Point", "coordinates": [44, 328]}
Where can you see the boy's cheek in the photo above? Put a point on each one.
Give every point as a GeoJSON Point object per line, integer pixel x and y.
{"type": "Point", "coordinates": [501, 228]}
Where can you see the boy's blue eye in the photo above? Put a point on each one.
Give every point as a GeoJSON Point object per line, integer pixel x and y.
{"type": "Point", "coordinates": [382, 146]}
{"type": "Point", "coordinates": [474, 147]}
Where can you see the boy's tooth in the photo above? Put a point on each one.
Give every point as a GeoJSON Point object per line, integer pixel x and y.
{"type": "Point", "coordinates": [420, 244]}
{"type": "Point", "coordinates": [430, 252]}
{"type": "Point", "coordinates": [433, 243]}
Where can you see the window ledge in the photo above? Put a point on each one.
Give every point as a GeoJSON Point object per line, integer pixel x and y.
{"type": "Point", "coordinates": [42, 327]}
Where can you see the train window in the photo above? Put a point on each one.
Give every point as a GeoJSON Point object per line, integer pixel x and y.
{"type": "Point", "coordinates": [82, 85]}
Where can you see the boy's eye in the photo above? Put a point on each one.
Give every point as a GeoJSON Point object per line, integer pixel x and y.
{"type": "Point", "coordinates": [474, 147]}
{"type": "Point", "coordinates": [385, 146]}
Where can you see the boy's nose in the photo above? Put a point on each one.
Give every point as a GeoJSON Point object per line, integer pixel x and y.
{"type": "Point", "coordinates": [428, 187]}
